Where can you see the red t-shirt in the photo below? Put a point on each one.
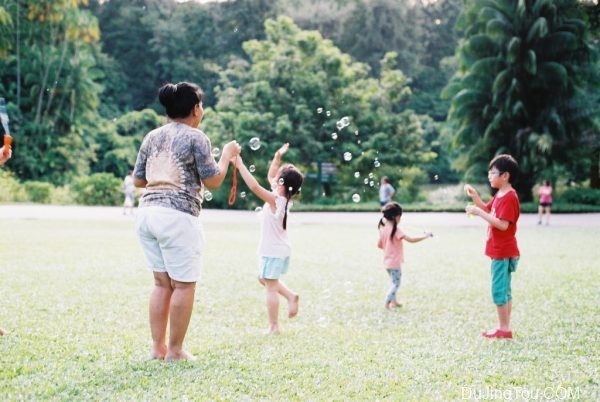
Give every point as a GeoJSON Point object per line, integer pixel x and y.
{"type": "Point", "coordinates": [503, 244]}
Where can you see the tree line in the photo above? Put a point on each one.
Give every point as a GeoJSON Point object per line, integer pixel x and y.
{"type": "Point", "coordinates": [425, 91]}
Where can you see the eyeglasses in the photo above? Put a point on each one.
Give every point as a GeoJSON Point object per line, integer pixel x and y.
{"type": "Point", "coordinates": [495, 173]}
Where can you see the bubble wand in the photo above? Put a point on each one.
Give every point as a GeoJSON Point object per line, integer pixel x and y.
{"type": "Point", "coordinates": [4, 119]}
{"type": "Point", "coordinates": [233, 190]}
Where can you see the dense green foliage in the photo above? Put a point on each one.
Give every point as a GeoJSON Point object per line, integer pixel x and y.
{"type": "Point", "coordinates": [80, 78]}
{"type": "Point", "coordinates": [522, 87]}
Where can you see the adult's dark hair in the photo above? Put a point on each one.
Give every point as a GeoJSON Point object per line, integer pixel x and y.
{"type": "Point", "coordinates": [506, 163]}
{"type": "Point", "coordinates": [180, 99]}
{"type": "Point", "coordinates": [390, 211]}
{"type": "Point", "coordinates": [292, 182]}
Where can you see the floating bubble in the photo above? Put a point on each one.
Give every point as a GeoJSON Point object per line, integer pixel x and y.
{"type": "Point", "coordinates": [251, 168]}
{"type": "Point", "coordinates": [235, 29]}
{"type": "Point", "coordinates": [357, 174]}
{"type": "Point", "coordinates": [371, 175]}
{"type": "Point", "coordinates": [358, 142]}
{"type": "Point", "coordinates": [328, 113]}
{"type": "Point", "coordinates": [339, 125]}
{"type": "Point", "coordinates": [347, 156]}
{"type": "Point", "coordinates": [376, 163]}
{"type": "Point", "coordinates": [319, 110]}
{"type": "Point", "coordinates": [334, 136]}
{"type": "Point", "coordinates": [243, 194]}
{"type": "Point", "coordinates": [254, 143]}
{"type": "Point", "coordinates": [371, 183]}
{"type": "Point", "coordinates": [290, 189]}
{"type": "Point", "coordinates": [258, 209]}
{"type": "Point", "coordinates": [356, 132]}
{"type": "Point", "coordinates": [280, 181]}
{"type": "Point", "coordinates": [356, 197]}
{"type": "Point", "coordinates": [208, 195]}
{"type": "Point", "coordinates": [345, 121]}
{"type": "Point", "coordinates": [436, 177]}
{"type": "Point", "coordinates": [366, 181]}
{"type": "Point", "coordinates": [299, 189]}
{"type": "Point", "coordinates": [216, 152]}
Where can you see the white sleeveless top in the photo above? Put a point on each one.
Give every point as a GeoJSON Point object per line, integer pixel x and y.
{"type": "Point", "coordinates": [274, 241]}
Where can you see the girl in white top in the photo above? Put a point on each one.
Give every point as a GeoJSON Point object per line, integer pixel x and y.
{"type": "Point", "coordinates": [274, 249]}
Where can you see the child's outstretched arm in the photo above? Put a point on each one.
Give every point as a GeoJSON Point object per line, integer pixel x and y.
{"type": "Point", "coordinates": [418, 238]}
{"type": "Point", "coordinates": [276, 162]}
{"type": "Point", "coordinates": [261, 192]}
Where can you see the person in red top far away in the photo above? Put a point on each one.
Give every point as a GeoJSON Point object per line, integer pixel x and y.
{"type": "Point", "coordinates": [502, 213]}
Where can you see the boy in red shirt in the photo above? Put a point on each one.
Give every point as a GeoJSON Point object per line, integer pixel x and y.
{"type": "Point", "coordinates": [502, 213]}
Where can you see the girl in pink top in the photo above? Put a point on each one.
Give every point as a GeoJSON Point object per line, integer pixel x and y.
{"type": "Point", "coordinates": [390, 240]}
{"type": "Point", "coordinates": [545, 194]}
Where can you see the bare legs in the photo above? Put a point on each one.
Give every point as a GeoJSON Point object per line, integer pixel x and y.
{"type": "Point", "coordinates": [172, 300]}
{"type": "Point", "coordinates": [504, 316]}
{"type": "Point", "coordinates": [541, 212]}
{"type": "Point", "coordinates": [274, 288]}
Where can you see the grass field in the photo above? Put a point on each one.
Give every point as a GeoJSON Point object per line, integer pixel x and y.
{"type": "Point", "coordinates": [74, 294]}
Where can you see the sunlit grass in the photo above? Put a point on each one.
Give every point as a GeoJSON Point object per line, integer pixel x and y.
{"type": "Point", "coordinates": [73, 298]}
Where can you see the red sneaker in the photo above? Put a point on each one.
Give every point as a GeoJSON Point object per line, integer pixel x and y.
{"type": "Point", "coordinates": [497, 334]}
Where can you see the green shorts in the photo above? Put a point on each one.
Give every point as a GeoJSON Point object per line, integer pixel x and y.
{"type": "Point", "coordinates": [501, 277]}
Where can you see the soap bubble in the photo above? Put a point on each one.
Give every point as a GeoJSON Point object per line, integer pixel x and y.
{"type": "Point", "coordinates": [436, 177]}
{"type": "Point", "coordinates": [371, 183]}
{"type": "Point", "coordinates": [290, 189]}
{"type": "Point", "coordinates": [258, 209]}
{"type": "Point", "coordinates": [357, 174]}
{"type": "Point", "coordinates": [208, 195]}
{"type": "Point", "coordinates": [328, 113]}
{"type": "Point", "coordinates": [371, 175]}
{"type": "Point", "coordinates": [254, 143]}
{"type": "Point", "coordinates": [366, 181]}
{"type": "Point", "coordinates": [334, 136]}
{"type": "Point", "coordinates": [216, 152]}
{"type": "Point", "coordinates": [347, 156]}
{"type": "Point", "coordinates": [356, 197]}
{"type": "Point", "coordinates": [376, 163]}
{"type": "Point", "coordinates": [251, 168]}
{"type": "Point", "coordinates": [345, 121]}
{"type": "Point", "coordinates": [281, 181]}
{"type": "Point", "coordinates": [243, 194]}
{"type": "Point", "coordinates": [319, 110]}
{"type": "Point", "coordinates": [356, 132]}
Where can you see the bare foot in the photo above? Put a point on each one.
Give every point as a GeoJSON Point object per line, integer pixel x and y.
{"type": "Point", "coordinates": [395, 304]}
{"type": "Point", "coordinates": [273, 330]}
{"type": "Point", "coordinates": [158, 352]}
{"type": "Point", "coordinates": [183, 355]}
{"type": "Point", "coordinates": [293, 306]}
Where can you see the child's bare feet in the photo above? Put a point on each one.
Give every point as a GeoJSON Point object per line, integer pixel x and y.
{"type": "Point", "coordinates": [293, 305]}
{"type": "Point", "coordinates": [182, 355]}
{"type": "Point", "coordinates": [158, 352]}
{"type": "Point", "coordinates": [395, 304]}
{"type": "Point", "coordinates": [273, 329]}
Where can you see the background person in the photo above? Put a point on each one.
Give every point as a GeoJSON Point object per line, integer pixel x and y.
{"type": "Point", "coordinates": [174, 164]}
{"type": "Point", "coordinates": [129, 193]}
{"type": "Point", "coordinates": [386, 191]}
{"type": "Point", "coordinates": [545, 194]}
{"type": "Point", "coordinates": [3, 159]}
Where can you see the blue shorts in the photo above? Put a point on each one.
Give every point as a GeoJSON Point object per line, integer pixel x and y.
{"type": "Point", "coordinates": [272, 268]}
{"type": "Point", "coordinates": [501, 279]}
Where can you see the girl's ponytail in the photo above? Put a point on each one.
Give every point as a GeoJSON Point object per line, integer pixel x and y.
{"type": "Point", "coordinates": [292, 181]}
{"type": "Point", "coordinates": [390, 211]}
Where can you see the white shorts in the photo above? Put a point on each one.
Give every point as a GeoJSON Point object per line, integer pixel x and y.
{"type": "Point", "coordinates": [172, 242]}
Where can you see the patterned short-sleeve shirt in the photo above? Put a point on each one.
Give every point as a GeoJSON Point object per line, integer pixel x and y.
{"type": "Point", "coordinates": [174, 159]}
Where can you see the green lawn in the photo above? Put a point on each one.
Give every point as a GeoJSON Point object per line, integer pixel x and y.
{"type": "Point", "coordinates": [73, 298]}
